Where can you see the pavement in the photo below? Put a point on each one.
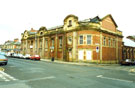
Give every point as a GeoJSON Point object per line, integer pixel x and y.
{"type": "Point", "coordinates": [79, 63]}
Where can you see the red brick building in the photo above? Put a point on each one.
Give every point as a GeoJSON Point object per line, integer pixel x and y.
{"type": "Point", "coordinates": [128, 50]}
{"type": "Point", "coordinates": [77, 40]}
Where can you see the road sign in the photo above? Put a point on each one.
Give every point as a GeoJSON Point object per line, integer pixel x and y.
{"type": "Point", "coordinates": [97, 49]}
{"type": "Point", "coordinates": [31, 46]}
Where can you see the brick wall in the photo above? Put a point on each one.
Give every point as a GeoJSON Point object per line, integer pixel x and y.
{"type": "Point", "coordinates": [107, 23]}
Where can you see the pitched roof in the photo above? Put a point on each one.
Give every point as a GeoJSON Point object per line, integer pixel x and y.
{"type": "Point", "coordinates": [128, 42]}
{"type": "Point", "coordinates": [95, 19]}
{"type": "Point", "coordinates": [131, 37]}
{"type": "Point", "coordinates": [17, 43]}
{"type": "Point", "coordinates": [84, 21]}
{"type": "Point", "coordinates": [32, 31]}
{"type": "Point", "coordinates": [56, 27]}
{"type": "Point", "coordinates": [9, 42]}
{"type": "Point", "coordinates": [109, 15]}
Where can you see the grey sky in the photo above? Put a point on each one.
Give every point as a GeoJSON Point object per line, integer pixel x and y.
{"type": "Point", "coordinates": [16, 16]}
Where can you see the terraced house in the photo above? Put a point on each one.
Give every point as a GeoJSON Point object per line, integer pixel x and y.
{"type": "Point", "coordinates": [11, 46]}
{"type": "Point", "coordinates": [90, 40]}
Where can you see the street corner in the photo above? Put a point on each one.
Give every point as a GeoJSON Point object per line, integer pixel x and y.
{"type": "Point", "coordinates": [2, 69]}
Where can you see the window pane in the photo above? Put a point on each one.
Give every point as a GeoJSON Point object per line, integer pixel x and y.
{"type": "Point", "coordinates": [60, 42]}
{"type": "Point", "coordinates": [52, 42]}
{"type": "Point", "coordinates": [40, 43]}
{"type": "Point", "coordinates": [113, 42]}
{"type": "Point", "coordinates": [104, 41]}
{"type": "Point", "coordinates": [81, 39]}
{"type": "Point", "coordinates": [109, 42]}
{"type": "Point", "coordinates": [46, 43]}
{"type": "Point", "coordinates": [70, 23]}
{"type": "Point", "coordinates": [88, 39]}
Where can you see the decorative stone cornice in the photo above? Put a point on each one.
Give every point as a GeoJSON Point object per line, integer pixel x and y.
{"type": "Point", "coordinates": [76, 26]}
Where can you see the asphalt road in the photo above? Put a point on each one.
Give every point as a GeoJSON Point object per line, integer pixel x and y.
{"type": "Point", "coordinates": [21, 73]}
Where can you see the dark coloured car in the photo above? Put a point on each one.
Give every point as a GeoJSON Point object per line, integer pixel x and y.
{"type": "Point", "coordinates": [126, 62]}
{"type": "Point", "coordinates": [3, 60]}
{"type": "Point", "coordinates": [133, 62]}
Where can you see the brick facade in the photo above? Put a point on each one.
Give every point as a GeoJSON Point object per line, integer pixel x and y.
{"type": "Point", "coordinates": [77, 41]}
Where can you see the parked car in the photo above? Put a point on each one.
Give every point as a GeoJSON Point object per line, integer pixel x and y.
{"type": "Point", "coordinates": [133, 62]}
{"type": "Point", "coordinates": [15, 55]}
{"type": "Point", "coordinates": [19, 56]}
{"type": "Point", "coordinates": [3, 60]}
{"type": "Point", "coordinates": [127, 62]}
{"type": "Point", "coordinates": [2, 53]}
{"type": "Point", "coordinates": [35, 57]}
{"type": "Point", "coordinates": [26, 56]}
{"type": "Point", "coordinates": [8, 54]}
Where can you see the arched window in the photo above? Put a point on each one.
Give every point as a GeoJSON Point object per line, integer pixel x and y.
{"type": "Point", "coordinates": [41, 33]}
{"type": "Point", "coordinates": [70, 23]}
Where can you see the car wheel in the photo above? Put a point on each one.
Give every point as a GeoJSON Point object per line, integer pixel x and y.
{"type": "Point", "coordinates": [5, 63]}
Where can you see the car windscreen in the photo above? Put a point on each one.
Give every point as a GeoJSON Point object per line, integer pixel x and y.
{"type": "Point", "coordinates": [2, 57]}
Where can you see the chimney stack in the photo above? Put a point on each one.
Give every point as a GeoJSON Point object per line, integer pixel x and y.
{"type": "Point", "coordinates": [16, 40]}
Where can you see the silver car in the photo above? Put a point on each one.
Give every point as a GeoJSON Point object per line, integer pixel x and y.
{"type": "Point", "coordinates": [27, 56]}
{"type": "Point", "coordinates": [3, 60]}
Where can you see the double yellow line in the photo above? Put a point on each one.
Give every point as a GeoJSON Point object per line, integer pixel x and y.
{"type": "Point", "coordinates": [1, 69]}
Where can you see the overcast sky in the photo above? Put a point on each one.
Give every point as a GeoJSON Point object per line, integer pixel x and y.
{"type": "Point", "coordinates": [16, 16]}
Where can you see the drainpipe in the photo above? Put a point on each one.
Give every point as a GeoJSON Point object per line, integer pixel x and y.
{"type": "Point", "coordinates": [56, 44]}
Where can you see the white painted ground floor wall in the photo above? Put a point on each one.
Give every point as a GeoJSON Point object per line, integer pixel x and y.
{"type": "Point", "coordinates": [84, 53]}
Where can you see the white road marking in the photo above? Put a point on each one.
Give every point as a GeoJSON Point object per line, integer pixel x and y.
{"type": "Point", "coordinates": [1, 76]}
{"type": "Point", "coordinates": [50, 77]}
{"type": "Point", "coordinates": [6, 77]}
{"type": "Point", "coordinates": [101, 76]}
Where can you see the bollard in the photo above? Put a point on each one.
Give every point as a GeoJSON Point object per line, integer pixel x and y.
{"type": "Point", "coordinates": [52, 58]}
